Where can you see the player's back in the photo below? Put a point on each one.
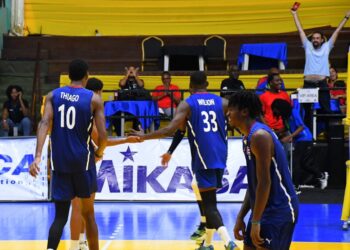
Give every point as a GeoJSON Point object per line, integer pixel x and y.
{"type": "Point", "coordinates": [282, 203]}
{"type": "Point", "coordinates": [207, 131]}
{"type": "Point", "coordinates": [71, 128]}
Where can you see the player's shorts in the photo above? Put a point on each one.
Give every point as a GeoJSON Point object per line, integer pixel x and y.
{"type": "Point", "coordinates": [66, 186]}
{"type": "Point", "coordinates": [208, 178]}
{"type": "Point", "coordinates": [277, 236]}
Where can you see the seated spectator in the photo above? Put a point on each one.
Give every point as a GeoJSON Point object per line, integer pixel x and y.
{"type": "Point", "coordinates": [262, 84]}
{"type": "Point", "coordinates": [231, 83]}
{"type": "Point", "coordinates": [167, 101]}
{"type": "Point", "coordinates": [303, 158]}
{"type": "Point", "coordinates": [131, 88]}
{"type": "Point", "coordinates": [339, 94]}
{"type": "Point", "coordinates": [273, 92]}
{"type": "Point", "coordinates": [15, 113]}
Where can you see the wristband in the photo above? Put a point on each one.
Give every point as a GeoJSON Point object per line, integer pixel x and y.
{"type": "Point", "coordinates": [97, 155]}
{"type": "Point", "coordinates": [255, 222]}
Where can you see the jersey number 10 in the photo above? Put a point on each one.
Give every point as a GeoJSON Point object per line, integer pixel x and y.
{"type": "Point", "coordinates": [209, 119]}
{"type": "Point", "coordinates": [67, 119]}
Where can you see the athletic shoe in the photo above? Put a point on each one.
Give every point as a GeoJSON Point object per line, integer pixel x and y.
{"type": "Point", "coordinates": [199, 232]}
{"type": "Point", "coordinates": [202, 247]}
{"type": "Point", "coordinates": [345, 226]}
{"type": "Point", "coordinates": [231, 246]}
{"type": "Point", "coordinates": [84, 245]}
{"type": "Point", "coordinates": [323, 180]}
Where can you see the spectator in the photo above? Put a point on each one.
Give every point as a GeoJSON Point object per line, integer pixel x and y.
{"type": "Point", "coordinates": [316, 68]}
{"type": "Point", "coordinates": [167, 101]}
{"type": "Point", "coordinates": [262, 85]}
{"type": "Point", "coordinates": [15, 113]}
{"type": "Point", "coordinates": [232, 83]}
{"type": "Point", "coordinates": [339, 94]}
{"type": "Point", "coordinates": [273, 92]}
{"type": "Point", "coordinates": [300, 135]}
{"type": "Point", "coordinates": [132, 88]}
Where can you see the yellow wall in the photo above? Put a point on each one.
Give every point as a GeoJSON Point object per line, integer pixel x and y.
{"type": "Point", "coordinates": [177, 17]}
{"type": "Point", "coordinates": [111, 81]}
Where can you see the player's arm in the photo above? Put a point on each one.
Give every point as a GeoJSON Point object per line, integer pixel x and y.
{"type": "Point", "coordinates": [178, 136]}
{"type": "Point", "coordinates": [179, 121]}
{"type": "Point", "coordinates": [299, 27]}
{"type": "Point", "coordinates": [239, 229]}
{"type": "Point", "coordinates": [42, 131]}
{"type": "Point", "coordinates": [99, 118]}
{"type": "Point", "coordinates": [262, 147]}
{"type": "Point", "coordinates": [340, 26]}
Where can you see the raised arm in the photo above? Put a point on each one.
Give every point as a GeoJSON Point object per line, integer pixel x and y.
{"type": "Point", "coordinates": [299, 27]}
{"type": "Point", "coordinates": [99, 118]}
{"type": "Point", "coordinates": [340, 26]}
{"type": "Point", "coordinates": [42, 131]}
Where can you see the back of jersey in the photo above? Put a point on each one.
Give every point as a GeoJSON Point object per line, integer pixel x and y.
{"type": "Point", "coordinates": [71, 150]}
{"type": "Point", "coordinates": [207, 131]}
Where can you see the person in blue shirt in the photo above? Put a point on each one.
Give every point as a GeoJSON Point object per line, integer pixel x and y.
{"type": "Point", "coordinates": [270, 195]}
{"type": "Point", "coordinates": [204, 115]}
{"type": "Point", "coordinates": [69, 112]}
{"type": "Point", "coordinates": [300, 135]}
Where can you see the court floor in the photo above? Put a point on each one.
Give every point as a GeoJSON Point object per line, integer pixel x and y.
{"type": "Point", "coordinates": [159, 226]}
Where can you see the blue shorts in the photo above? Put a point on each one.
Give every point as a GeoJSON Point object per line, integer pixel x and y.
{"type": "Point", "coordinates": [208, 178]}
{"type": "Point", "coordinates": [277, 236]}
{"type": "Point", "coordinates": [66, 186]}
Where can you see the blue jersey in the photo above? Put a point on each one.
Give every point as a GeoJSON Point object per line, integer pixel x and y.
{"type": "Point", "coordinates": [296, 120]}
{"type": "Point", "coordinates": [207, 132]}
{"type": "Point", "coordinates": [282, 204]}
{"type": "Point", "coordinates": [71, 147]}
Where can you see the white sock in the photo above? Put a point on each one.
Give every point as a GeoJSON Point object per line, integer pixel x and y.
{"type": "Point", "coordinates": [209, 236]}
{"type": "Point", "coordinates": [222, 231]}
{"type": "Point", "coordinates": [74, 245]}
{"type": "Point", "coordinates": [81, 237]}
{"type": "Point", "coordinates": [203, 219]}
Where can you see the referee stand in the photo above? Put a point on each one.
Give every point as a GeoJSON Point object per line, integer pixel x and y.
{"type": "Point", "coordinates": [345, 217]}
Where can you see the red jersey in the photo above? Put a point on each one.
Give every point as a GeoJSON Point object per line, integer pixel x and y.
{"type": "Point", "coordinates": [267, 99]}
{"type": "Point", "coordinates": [165, 102]}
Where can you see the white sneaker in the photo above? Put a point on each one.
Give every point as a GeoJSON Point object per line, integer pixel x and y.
{"type": "Point", "coordinates": [83, 245]}
{"type": "Point", "coordinates": [345, 226]}
{"type": "Point", "coordinates": [323, 180]}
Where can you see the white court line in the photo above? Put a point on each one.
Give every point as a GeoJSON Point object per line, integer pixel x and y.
{"type": "Point", "coordinates": [114, 234]}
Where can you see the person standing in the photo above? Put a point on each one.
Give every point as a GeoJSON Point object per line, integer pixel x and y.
{"type": "Point", "coordinates": [204, 115]}
{"type": "Point", "coordinates": [316, 69]}
{"type": "Point", "coordinates": [270, 195]}
{"type": "Point", "coordinates": [71, 110]}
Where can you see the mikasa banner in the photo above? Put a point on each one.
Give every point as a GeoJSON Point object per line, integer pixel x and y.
{"type": "Point", "coordinates": [134, 172]}
{"type": "Point", "coordinates": [15, 182]}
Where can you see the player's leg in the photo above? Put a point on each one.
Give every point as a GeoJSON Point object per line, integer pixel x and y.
{"type": "Point", "coordinates": [88, 213]}
{"type": "Point", "coordinates": [201, 228]}
{"type": "Point", "coordinates": [208, 181]}
{"type": "Point", "coordinates": [62, 194]}
{"type": "Point", "coordinates": [77, 226]}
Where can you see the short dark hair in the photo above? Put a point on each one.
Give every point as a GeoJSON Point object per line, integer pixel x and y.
{"type": "Point", "coordinates": [78, 69]}
{"type": "Point", "coordinates": [284, 108]}
{"type": "Point", "coordinates": [271, 76]}
{"type": "Point", "coordinates": [10, 88]}
{"type": "Point", "coordinates": [94, 84]}
{"type": "Point", "coordinates": [246, 99]}
{"type": "Point", "coordinates": [198, 78]}
{"type": "Point", "coordinates": [166, 73]}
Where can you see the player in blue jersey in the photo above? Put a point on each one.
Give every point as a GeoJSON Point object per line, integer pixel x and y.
{"type": "Point", "coordinates": [270, 195]}
{"type": "Point", "coordinates": [77, 225]}
{"type": "Point", "coordinates": [204, 115]}
{"type": "Point", "coordinates": [70, 111]}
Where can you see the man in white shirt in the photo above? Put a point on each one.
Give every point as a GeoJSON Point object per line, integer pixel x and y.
{"type": "Point", "coordinates": [316, 68]}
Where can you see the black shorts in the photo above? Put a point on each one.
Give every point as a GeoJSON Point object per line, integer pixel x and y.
{"type": "Point", "coordinates": [66, 186]}
{"type": "Point", "coordinates": [209, 178]}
